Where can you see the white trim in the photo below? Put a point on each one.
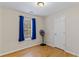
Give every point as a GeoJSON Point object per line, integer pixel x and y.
{"type": "Point", "coordinates": [18, 49]}
{"type": "Point", "coordinates": [50, 45]}
{"type": "Point", "coordinates": [64, 50]}
{"type": "Point", "coordinates": [72, 53]}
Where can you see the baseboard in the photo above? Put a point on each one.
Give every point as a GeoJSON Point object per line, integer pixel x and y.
{"type": "Point", "coordinates": [72, 53]}
{"type": "Point", "coordinates": [64, 50]}
{"type": "Point", "coordinates": [18, 50]}
{"type": "Point", "coordinates": [50, 45]}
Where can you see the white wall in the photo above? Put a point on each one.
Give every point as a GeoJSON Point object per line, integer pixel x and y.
{"type": "Point", "coordinates": [0, 30]}
{"type": "Point", "coordinates": [49, 30]}
{"type": "Point", "coordinates": [10, 31]}
{"type": "Point", "coordinates": [72, 29]}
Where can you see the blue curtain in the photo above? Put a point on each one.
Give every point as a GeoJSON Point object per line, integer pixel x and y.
{"type": "Point", "coordinates": [21, 28]}
{"type": "Point", "coordinates": [33, 28]}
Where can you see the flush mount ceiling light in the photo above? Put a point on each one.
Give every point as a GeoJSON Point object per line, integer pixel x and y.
{"type": "Point", "coordinates": [40, 4]}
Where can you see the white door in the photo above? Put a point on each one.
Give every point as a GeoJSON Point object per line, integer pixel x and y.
{"type": "Point", "coordinates": [59, 32]}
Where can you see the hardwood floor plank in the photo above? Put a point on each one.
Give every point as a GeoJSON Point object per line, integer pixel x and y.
{"type": "Point", "coordinates": [40, 51]}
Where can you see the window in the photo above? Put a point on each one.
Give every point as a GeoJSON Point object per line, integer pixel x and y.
{"type": "Point", "coordinates": [27, 27]}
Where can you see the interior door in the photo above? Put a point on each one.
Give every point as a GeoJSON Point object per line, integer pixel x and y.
{"type": "Point", "coordinates": [59, 32]}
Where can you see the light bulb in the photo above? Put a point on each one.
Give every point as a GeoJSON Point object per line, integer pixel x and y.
{"type": "Point", "coordinates": [41, 4]}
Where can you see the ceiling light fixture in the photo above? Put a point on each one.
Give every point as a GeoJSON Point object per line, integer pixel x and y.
{"type": "Point", "coordinates": [41, 4]}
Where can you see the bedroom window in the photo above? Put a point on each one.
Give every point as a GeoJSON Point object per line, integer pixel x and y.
{"type": "Point", "coordinates": [27, 27]}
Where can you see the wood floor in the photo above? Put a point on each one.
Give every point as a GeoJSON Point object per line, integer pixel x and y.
{"type": "Point", "coordinates": [40, 51]}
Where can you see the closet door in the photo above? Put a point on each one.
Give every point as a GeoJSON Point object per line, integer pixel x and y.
{"type": "Point", "coordinates": [59, 32]}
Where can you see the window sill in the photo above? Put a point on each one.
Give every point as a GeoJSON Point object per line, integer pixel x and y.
{"type": "Point", "coordinates": [27, 38]}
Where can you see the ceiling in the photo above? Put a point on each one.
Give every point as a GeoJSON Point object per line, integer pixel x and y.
{"type": "Point", "coordinates": [31, 7]}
